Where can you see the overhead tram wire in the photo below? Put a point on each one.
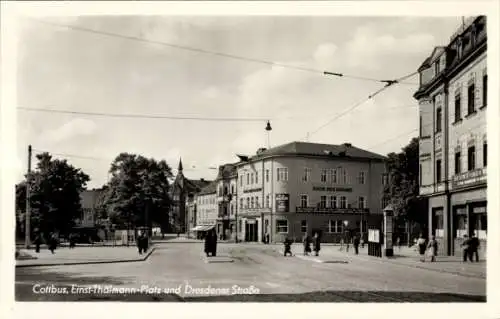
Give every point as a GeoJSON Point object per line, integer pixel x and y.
{"type": "Point", "coordinates": [388, 83]}
{"type": "Point", "coordinates": [204, 51]}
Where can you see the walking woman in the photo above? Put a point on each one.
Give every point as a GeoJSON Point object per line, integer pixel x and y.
{"type": "Point", "coordinates": [433, 246]}
{"type": "Point", "coordinates": [422, 247]}
{"type": "Point", "coordinates": [307, 244]}
{"type": "Point", "coordinates": [317, 244]}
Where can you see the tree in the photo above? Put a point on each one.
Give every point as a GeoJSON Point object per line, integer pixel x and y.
{"type": "Point", "coordinates": [55, 188]}
{"type": "Point", "coordinates": [137, 194]}
{"type": "Point", "coordinates": [402, 189]}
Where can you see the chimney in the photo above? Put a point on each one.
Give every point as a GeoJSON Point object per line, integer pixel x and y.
{"type": "Point", "coordinates": [260, 150]}
{"type": "Point", "coordinates": [202, 179]}
{"type": "Point", "coordinates": [347, 144]}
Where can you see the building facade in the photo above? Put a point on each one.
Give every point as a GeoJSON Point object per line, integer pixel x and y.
{"type": "Point", "coordinates": [453, 146]}
{"type": "Point", "coordinates": [207, 211]}
{"type": "Point", "coordinates": [226, 199]}
{"type": "Point", "coordinates": [300, 187]}
{"type": "Point", "coordinates": [182, 188]}
{"type": "Point", "coordinates": [89, 200]}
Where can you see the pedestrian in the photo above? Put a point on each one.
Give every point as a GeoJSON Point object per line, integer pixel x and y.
{"type": "Point", "coordinates": [140, 243]}
{"type": "Point", "coordinates": [52, 242]}
{"type": "Point", "coordinates": [466, 249]}
{"type": "Point", "coordinates": [347, 242]}
{"type": "Point", "coordinates": [317, 244]}
{"type": "Point", "coordinates": [307, 244]}
{"type": "Point", "coordinates": [37, 241]}
{"type": "Point", "coordinates": [362, 242]}
{"type": "Point", "coordinates": [421, 247]}
{"type": "Point", "coordinates": [341, 244]}
{"type": "Point", "coordinates": [356, 244]}
{"type": "Point", "coordinates": [72, 240]}
{"type": "Point", "coordinates": [398, 243]}
{"type": "Point", "coordinates": [474, 248]}
{"type": "Point", "coordinates": [267, 238]}
{"type": "Point", "coordinates": [288, 247]}
{"type": "Point", "coordinates": [214, 244]}
{"type": "Point", "coordinates": [433, 247]}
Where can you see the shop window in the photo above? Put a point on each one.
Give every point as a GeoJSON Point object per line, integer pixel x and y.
{"type": "Point", "coordinates": [481, 226]}
{"type": "Point", "coordinates": [438, 222]}
{"type": "Point", "coordinates": [303, 226]}
{"type": "Point", "coordinates": [462, 226]}
{"type": "Point", "coordinates": [471, 158]}
{"type": "Point", "coordinates": [282, 226]}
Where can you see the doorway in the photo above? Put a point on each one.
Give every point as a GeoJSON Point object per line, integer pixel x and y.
{"type": "Point", "coordinates": [251, 230]}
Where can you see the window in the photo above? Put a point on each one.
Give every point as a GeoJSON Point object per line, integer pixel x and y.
{"type": "Point", "coordinates": [267, 175]}
{"type": "Point", "coordinates": [361, 202]}
{"type": "Point", "coordinates": [333, 201]}
{"type": "Point", "coordinates": [225, 190]}
{"type": "Point", "coordinates": [361, 177]}
{"type": "Point", "coordinates": [232, 209]}
{"type": "Point", "coordinates": [458, 108]}
{"type": "Point", "coordinates": [256, 177]}
{"type": "Point", "coordinates": [344, 176]}
{"type": "Point", "coordinates": [438, 171]}
{"type": "Point", "coordinates": [248, 178]}
{"type": "Point", "coordinates": [335, 226]}
{"type": "Point", "coordinates": [248, 202]}
{"type": "Point", "coordinates": [458, 168]}
{"type": "Point", "coordinates": [471, 99]}
{"type": "Point", "coordinates": [257, 202]}
{"type": "Point", "coordinates": [471, 158]}
{"type": "Point", "coordinates": [307, 174]}
{"type": "Point", "coordinates": [333, 176]}
{"type": "Point", "coordinates": [439, 120]}
{"type": "Point", "coordinates": [420, 174]}
{"type": "Point", "coordinates": [323, 175]}
{"type": "Point", "coordinates": [485, 89]}
{"type": "Point", "coordinates": [282, 174]}
{"type": "Point", "coordinates": [251, 178]}
{"type": "Point", "coordinates": [343, 202]}
{"type": "Point", "coordinates": [420, 127]}
{"type": "Point", "coordinates": [322, 202]}
{"type": "Point", "coordinates": [485, 154]}
{"type": "Point", "coordinates": [267, 201]}
{"type": "Point", "coordinates": [232, 189]}
{"type": "Point", "coordinates": [303, 226]}
{"type": "Point", "coordinates": [241, 180]}
{"type": "Point", "coordinates": [303, 201]}
{"type": "Point", "coordinates": [282, 226]}
{"type": "Point", "coordinates": [251, 202]}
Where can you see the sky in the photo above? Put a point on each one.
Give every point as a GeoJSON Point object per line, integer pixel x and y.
{"type": "Point", "coordinates": [67, 69]}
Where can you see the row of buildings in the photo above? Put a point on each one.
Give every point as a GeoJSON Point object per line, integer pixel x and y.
{"type": "Point", "coordinates": [288, 190]}
{"type": "Point", "coordinates": [453, 98]}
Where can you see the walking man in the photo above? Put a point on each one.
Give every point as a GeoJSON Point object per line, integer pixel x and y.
{"type": "Point", "coordinates": [356, 244]}
{"type": "Point", "coordinates": [466, 249]}
{"type": "Point", "coordinates": [307, 244]}
{"type": "Point", "coordinates": [288, 247]}
{"type": "Point", "coordinates": [433, 246]}
{"type": "Point", "coordinates": [317, 244]}
{"type": "Point", "coordinates": [474, 248]}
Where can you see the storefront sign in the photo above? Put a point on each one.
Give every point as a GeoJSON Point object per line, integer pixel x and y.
{"type": "Point", "coordinates": [331, 189]}
{"type": "Point", "coordinates": [252, 190]}
{"type": "Point", "coordinates": [475, 177]}
{"type": "Point", "coordinates": [331, 210]}
{"type": "Point", "coordinates": [282, 203]}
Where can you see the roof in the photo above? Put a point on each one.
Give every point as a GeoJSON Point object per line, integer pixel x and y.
{"type": "Point", "coordinates": [227, 171]}
{"type": "Point", "coordinates": [436, 52]}
{"type": "Point", "coordinates": [209, 189]}
{"type": "Point", "coordinates": [195, 185]}
{"type": "Point", "coordinates": [318, 150]}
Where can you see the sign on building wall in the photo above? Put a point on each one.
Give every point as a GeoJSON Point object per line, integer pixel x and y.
{"type": "Point", "coordinates": [374, 235]}
{"type": "Point", "coordinates": [470, 178]}
{"type": "Point", "coordinates": [282, 203]}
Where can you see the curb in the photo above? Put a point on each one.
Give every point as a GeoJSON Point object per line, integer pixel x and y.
{"type": "Point", "coordinates": [90, 262]}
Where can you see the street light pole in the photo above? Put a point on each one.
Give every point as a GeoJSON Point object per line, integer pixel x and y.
{"type": "Point", "coordinates": [27, 229]}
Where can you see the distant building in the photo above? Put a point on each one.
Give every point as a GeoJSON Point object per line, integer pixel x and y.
{"type": "Point", "coordinates": [299, 187]}
{"type": "Point", "coordinates": [452, 100]}
{"type": "Point", "coordinates": [89, 201]}
{"type": "Point", "coordinates": [206, 209]}
{"type": "Point", "coordinates": [226, 200]}
{"type": "Point", "coordinates": [181, 189]}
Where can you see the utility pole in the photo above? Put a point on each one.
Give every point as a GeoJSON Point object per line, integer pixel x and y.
{"type": "Point", "coordinates": [27, 229]}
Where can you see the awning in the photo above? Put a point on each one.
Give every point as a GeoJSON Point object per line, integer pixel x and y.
{"type": "Point", "coordinates": [202, 227]}
{"type": "Point", "coordinates": [196, 228]}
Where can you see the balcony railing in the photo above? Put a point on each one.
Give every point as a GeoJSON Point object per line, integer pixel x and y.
{"type": "Point", "coordinates": [331, 210]}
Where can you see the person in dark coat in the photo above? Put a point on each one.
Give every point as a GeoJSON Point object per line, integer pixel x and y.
{"type": "Point", "coordinates": [307, 244]}
{"type": "Point", "coordinates": [422, 247]}
{"type": "Point", "coordinates": [37, 241]}
{"type": "Point", "coordinates": [356, 244]}
{"type": "Point", "coordinates": [72, 240]}
{"type": "Point", "coordinates": [52, 242]}
{"type": "Point", "coordinates": [466, 248]}
{"type": "Point", "coordinates": [140, 243]}
{"type": "Point", "coordinates": [474, 249]}
{"type": "Point", "coordinates": [317, 244]}
{"type": "Point", "coordinates": [288, 247]}
{"type": "Point", "coordinates": [211, 243]}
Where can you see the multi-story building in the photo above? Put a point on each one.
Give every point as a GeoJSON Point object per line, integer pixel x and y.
{"type": "Point", "coordinates": [453, 147]}
{"type": "Point", "coordinates": [207, 210]}
{"type": "Point", "coordinates": [180, 191]}
{"type": "Point", "coordinates": [301, 187]}
{"type": "Point", "coordinates": [89, 200]}
{"type": "Point", "coordinates": [226, 200]}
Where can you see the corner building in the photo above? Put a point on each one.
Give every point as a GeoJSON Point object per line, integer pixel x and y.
{"type": "Point", "coordinates": [453, 146]}
{"type": "Point", "coordinates": [305, 187]}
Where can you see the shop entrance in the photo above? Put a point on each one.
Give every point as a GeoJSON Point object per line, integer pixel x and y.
{"type": "Point", "coordinates": [251, 230]}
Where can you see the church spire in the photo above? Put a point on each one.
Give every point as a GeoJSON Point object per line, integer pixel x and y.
{"type": "Point", "coordinates": [180, 165]}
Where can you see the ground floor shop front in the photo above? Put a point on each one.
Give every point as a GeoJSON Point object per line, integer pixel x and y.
{"type": "Point", "coordinates": [275, 228]}
{"type": "Point", "coordinates": [455, 214]}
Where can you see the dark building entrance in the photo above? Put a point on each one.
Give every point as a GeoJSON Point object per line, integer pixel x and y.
{"type": "Point", "coordinates": [251, 230]}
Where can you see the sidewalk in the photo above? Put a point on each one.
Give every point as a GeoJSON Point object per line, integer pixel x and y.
{"type": "Point", "coordinates": [405, 257]}
{"type": "Point", "coordinates": [82, 255]}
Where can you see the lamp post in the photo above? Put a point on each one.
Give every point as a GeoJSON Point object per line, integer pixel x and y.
{"type": "Point", "coordinates": [346, 223]}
